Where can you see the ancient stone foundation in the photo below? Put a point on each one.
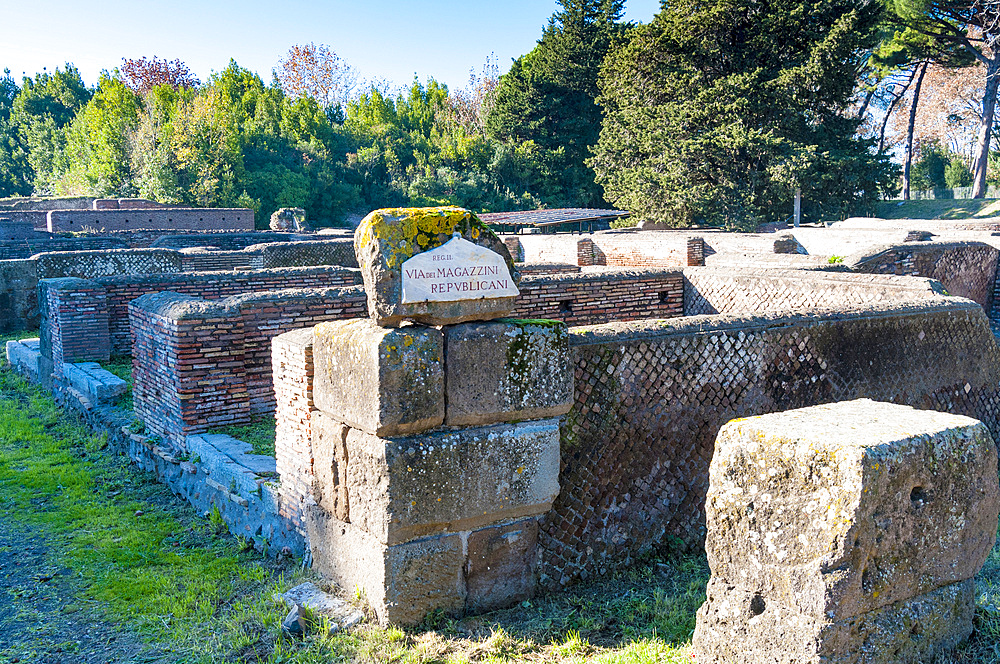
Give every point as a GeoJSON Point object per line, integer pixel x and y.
{"type": "Point", "coordinates": [847, 532]}
{"type": "Point", "coordinates": [434, 449]}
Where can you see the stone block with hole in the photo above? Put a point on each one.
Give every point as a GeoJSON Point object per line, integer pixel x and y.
{"type": "Point", "coordinates": [507, 370]}
{"type": "Point", "coordinates": [386, 381]}
{"type": "Point", "coordinates": [827, 524]}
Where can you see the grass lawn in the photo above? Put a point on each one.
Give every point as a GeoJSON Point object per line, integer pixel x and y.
{"type": "Point", "coordinates": [99, 562]}
{"type": "Point", "coordinates": [116, 567]}
{"type": "Point", "coordinates": [939, 209]}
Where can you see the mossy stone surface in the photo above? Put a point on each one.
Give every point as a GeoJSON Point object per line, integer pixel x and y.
{"type": "Point", "coordinates": [386, 238]}
{"type": "Point", "coordinates": [388, 382]}
{"type": "Point", "coordinates": [507, 370]}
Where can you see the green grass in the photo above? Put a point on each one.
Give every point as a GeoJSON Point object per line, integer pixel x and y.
{"type": "Point", "coordinates": [150, 566]}
{"type": "Point", "coordinates": [939, 209]}
{"type": "Point", "coordinates": [260, 435]}
{"type": "Point", "coordinates": [145, 561]}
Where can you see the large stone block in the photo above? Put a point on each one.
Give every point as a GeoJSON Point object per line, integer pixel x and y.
{"type": "Point", "coordinates": [500, 569]}
{"type": "Point", "coordinates": [387, 238]}
{"type": "Point", "coordinates": [846, 532]}
{"type": "Point", "coordinates": [406, 488]}
{"type": "Point", "coordinates": [841, 509]}
{"type": "Point", "coordinates": [388, 382]}
{"type": "Point", "coordinates": [402, 583]}
{"type": "Point", "coordinates": [736, 626]}
{"type": "Point", "coordinates": [507, 370]}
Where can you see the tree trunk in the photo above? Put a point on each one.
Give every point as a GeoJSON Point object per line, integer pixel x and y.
{"type": "Point", "coordinates": [867, 102]}
{"type": "Point", "coordinates": [908, 156]}
{"type": "Point", "coordinates": [985, 129]}
{"type": "Point", "coordinates": [892, 107]}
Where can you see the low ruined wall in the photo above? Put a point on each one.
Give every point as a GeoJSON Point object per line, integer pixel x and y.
{"type": "Point", "coordinates": [225, 241]}
{"type": "Point", "coordinates": [300, 254]}
{"type": "Point", "coordinates": [26, 248]}
{"type": "Point", "coordinates": [18, 295]}
{"type": "Point", "coordinates": [169, 219]}
{"type": "Point", "coordinates": [598, 296]}
{"type": "Point", "coordinates": [74, 321]}
{"type": "Point", "coordinates": [210, 286]}
{"type": "Point", "coordinates": [90, 264]}
{"type": "Point", "coordinates": [965, 269]}
{"type": "Point", "coordinates": [651, 397]}
{"type": "Point", "coordinates": [710, 290]}
{"type": "Point", "coordinates": [612, 248]}
{"type": "Point", "coordinates": [195, 260]}
{"type": "Point", "coordinates": [266, 315]}
{"type": "Point", "coordinates": [187, 370]}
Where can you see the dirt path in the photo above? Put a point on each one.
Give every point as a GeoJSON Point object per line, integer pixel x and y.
{"type": "Point", "coordinates": [41, 618]}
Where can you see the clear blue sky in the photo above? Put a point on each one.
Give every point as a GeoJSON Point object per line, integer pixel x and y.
{"type": "Point", "coordinates": [391, 39]}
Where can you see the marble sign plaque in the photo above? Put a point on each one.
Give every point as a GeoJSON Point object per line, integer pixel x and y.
{"type": "Point", "coordinates": [457, 270]}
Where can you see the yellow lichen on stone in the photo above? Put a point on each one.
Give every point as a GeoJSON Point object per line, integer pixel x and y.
{"type": "Point", "coordinates": [426, 228]}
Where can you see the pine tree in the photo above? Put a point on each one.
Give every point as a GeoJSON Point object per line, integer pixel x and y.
{"type": "Point", "coordinates": [719, 109]}
{"type": "Point", "coordinates": [548, 96]}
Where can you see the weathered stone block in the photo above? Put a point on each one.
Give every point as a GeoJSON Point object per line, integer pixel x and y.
{"type": "Point", "coordinates": [402, 583]}
{"type": "Point", "coordinates": [24, 356]}
{"type": "Point", "coordinates": [387, 238]}
{"type": "Point", "coordinates": [330, 464]}
{"type": "Point", "coordinates": [851, 506]}
{"type": "Point", "coordinates": [500, 569]}
{"type": "Point", "coordinates": [845, 532]}
{"type": "Point", "coordinates": [407, 488]}
{"type": "Point", "coordinates": [388, 382]}
{"type": "Point", "coordinates": [507, 370]}
{"type": "Point", "coordinates": [736, 626]}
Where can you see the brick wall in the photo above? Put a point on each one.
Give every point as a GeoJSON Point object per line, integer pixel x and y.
{"type": "Point", "coordinates": [650, 400]}
{"type": "Point", "coordinates": [210, 286]}
{"type": "Point", "coordinates": [215, 261]}
{"type": "Point", "coordinates": [74, 321]}
{"type": "Point", "coordinates": [292, 361]}
{"type": "Point", "coordinates": [965, 269]}
{"type": "Point", "coordinates": [187, 365]}
{"type": "Point", "coordinates": [266, 315]}
{"type": "Point", "coordinates": [170, 219]}
{"type": "Point", "coordinates": [298, 254]}
{"type": "Point", "coordinates": [599, 296]}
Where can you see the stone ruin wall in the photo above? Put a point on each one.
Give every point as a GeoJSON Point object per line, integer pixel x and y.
{"type": "Point", "coordinates": [19, 278]}
{"type": "Point", "coordinates": [651, 397]}
{"type": "Point", "coordinates": [169, 219]}
{"type": "Point", "coordinates": [264, 315]}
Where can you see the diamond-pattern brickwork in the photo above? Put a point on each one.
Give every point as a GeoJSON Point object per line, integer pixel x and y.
{"type": "Point", "coordinates": [651, 397]}
{"type": "Point", "coordinates": [715, 290]}
{"type": "Point", "coordinates": [965, 269]}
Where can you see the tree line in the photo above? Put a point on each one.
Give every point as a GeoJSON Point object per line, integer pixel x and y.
{"type": "Point", "coordinates": [713, 114]}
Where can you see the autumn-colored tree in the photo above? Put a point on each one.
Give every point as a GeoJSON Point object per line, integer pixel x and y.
{"type": "Point", "coordinates": [317, 72]}
{"type": "Point", "coordinates": [143, 74]}
{"type": "Point", "coordinates": [975, 27]}
{"type": "Point", "coordinates": [470, 107]}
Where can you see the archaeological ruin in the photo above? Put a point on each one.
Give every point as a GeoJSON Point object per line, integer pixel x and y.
{"type": "Point", "coordinates": [464, 420]}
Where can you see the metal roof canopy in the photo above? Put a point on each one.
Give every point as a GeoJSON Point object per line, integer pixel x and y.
{"type": "Point", "coordinates": [544, 218]}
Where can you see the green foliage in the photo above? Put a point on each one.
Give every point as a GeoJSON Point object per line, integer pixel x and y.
{"type": "Point", "coordinates": [928, 171]}
{"type": "Point", "coordinates": [548, 98]}
{"type": "Point", "coordinates": [715, 112]}
{"type": "Point", "coordinates": [957, 174]}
